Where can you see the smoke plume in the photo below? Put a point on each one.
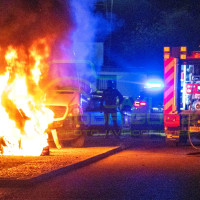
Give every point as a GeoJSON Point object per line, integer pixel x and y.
{"type": "Point", "coordinates": [22, 21]}
{"type": "Point", "coordinates": [84, 52]}
{"type": "Point", "coordinates": [71, 25]}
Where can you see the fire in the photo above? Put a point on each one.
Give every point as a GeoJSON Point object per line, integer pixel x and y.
{"type": "Point", "coordinates": [23, 115]}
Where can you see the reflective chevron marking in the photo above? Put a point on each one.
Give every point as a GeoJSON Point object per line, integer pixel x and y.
{"type": "Point", "coordinates": [169, 93]}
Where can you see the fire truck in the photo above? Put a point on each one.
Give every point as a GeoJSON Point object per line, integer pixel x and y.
{"type": "Point", "coordinates": [181, 94]}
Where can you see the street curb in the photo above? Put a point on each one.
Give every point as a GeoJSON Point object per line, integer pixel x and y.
{"type": "Point", "coordinates": [61, 171]}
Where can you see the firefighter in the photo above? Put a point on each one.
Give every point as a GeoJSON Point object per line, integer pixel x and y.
{"type": "Point", "coordinates": [109, 107]}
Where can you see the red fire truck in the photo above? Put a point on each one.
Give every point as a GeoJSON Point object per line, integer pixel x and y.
{"type": "Point", "coordinates": [181, 94]}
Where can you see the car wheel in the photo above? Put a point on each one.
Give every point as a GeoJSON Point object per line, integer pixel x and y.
{"type": "Point", "coordinates": [78, 142]}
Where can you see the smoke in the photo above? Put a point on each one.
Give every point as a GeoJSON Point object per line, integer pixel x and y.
{"type": "Point", "coordinates": [89, 24]}
{"type": "Point", "coordinates": [72, 25]}
{"type": "Point", "coordinates": [83, 52]}
{"type": "Point", "coordinates": [22, 21]}
{"type": "Point", "coordinates": [86, 25]}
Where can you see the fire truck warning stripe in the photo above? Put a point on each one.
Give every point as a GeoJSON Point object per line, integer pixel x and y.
{"type": "Point", "coordinates": [167, 61]}
{"type": "Point", "coordinates": [168, 99]}
{"type": "Point", "coordinates": [168, 110]}
{"type": "Point", "coordinates": [169, 80]}
{"type": "Point", "coordinates": [169, 91]}
{"type": "Point", "coordinates": [169, 66]}
{"type": "Point", "coordinates": [169, 73]}
{"type": "Point", "coordinates": [168, 106]}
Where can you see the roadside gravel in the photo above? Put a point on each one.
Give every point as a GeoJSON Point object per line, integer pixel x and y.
{"type": "Point", "coordinates": [27, 167]}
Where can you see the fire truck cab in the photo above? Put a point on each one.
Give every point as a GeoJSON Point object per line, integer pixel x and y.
{"type": "Point", "coordinates": [181, 94]}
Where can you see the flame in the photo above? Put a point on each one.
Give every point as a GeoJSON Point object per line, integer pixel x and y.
{"type": "Point", "coordinates": [24, 118]}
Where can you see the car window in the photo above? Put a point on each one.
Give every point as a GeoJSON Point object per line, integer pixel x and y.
{"type": "Point", "coordinates": [157, 109]}
{"type": "Point", "coordinates": [94, 105]}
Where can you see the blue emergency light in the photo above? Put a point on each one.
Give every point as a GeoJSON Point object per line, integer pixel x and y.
{"type": "Point", "coordinates": [154, 84]}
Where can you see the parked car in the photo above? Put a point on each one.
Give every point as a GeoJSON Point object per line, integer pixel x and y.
{"type": "Point", "coordinates": [93, 116]}
{"type": "Point", "coordinates": [147, 115]}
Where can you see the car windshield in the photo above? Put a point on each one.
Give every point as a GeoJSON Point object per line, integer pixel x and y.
{"type": "Point", "coordinates": [61, 76]}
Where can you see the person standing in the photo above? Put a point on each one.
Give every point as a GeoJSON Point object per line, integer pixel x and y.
{"type": "Point", "coordinates": [109, 107]}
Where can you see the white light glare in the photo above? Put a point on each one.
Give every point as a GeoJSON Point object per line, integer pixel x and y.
{"type": "Point", "coordinates": [154, 84]}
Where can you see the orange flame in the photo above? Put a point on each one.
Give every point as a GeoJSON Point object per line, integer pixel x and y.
{"type": "Point", "coordinates": [23, 115]}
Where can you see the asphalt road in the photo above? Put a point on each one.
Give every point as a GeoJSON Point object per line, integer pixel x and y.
{"type": "Point", "coordinates": [149, 170]}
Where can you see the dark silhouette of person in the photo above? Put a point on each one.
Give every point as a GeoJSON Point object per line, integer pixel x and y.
{"type": "Point", "coordinates": [109, 107]}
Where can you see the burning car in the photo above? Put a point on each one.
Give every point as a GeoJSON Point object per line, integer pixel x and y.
{"type": "Point", "coordinates": [29, 119]}
{"type": "Point", "coordinates": [24, 117]}
{"type": "Point", "coordinates": [63, 97]}
{"type": "Point", "coordinates": [67, 122]}
{"type": "Point", "coordinates": [33, 33]}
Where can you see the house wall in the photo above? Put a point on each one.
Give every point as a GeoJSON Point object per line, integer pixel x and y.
{"type": "Point", "coordinates": [129, 84]}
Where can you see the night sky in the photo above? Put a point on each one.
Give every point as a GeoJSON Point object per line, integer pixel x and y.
{"type": "Point", "coordinates": [134, 40]}
{"type": "Point", "coordinates": [142, 28]}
